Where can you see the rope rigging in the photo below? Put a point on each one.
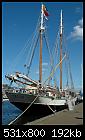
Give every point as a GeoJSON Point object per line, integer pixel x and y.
{"type": "Point", "coordinates": [68, 66]}
{"type": "Point", "coordinates": [31, 51]}
{"type": "Point", "coordinates": [51, 59]}
{"type": "Point", "coordinates": [66, 60]}
{"type": "Point", "coordinates": [53, 71]}
{"type": "Point", "coordinates": [32, 54]}
{"type": "Point", "coordinates": [33, 40]}
{"type": "Point", "coordinates": [21, 53]}
{"type": "Point", "coordinates": [55, 52]}
{"type": "Point", "coordinates": [55, 49]}
{"type": "Point", "coordinates": [72, 84]}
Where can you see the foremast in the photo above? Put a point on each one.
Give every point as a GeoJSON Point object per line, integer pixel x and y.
{"type": "Point", "coordinates": [42, 28]}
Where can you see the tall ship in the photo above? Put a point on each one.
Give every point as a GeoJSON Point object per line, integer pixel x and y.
{"type": "Point", "coordinates": [39, 95]}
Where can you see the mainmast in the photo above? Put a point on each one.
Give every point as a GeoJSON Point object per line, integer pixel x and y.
{"type": "Point", "coordinates": [82, 77]}
{"type": "Point", "coordinates": [61, 30]}
{"type": "Point", "coordinates": [41, 32]}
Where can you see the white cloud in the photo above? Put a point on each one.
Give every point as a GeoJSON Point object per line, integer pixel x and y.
{"type": "Point", "coordinates": [43, 70]}
{"type": "Point", "coordinates": [77, 32]}
{"type": "Point", "coordinates": [44, 63]}
{"type": "Point", "coordinates": [81, 22]}
{"type": "Point", "coordinates": [37, 72]}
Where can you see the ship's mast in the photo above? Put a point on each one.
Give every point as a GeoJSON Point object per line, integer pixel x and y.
{"type": "Point", "coordinates": [41, 32]}
{"type": "Point", "coordinates": [82, 77]}
{"type": "Point", "coordinates": [61, 32]}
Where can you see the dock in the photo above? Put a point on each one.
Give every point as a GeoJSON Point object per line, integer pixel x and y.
{"type": "Point", "coordinates": [64, 117]}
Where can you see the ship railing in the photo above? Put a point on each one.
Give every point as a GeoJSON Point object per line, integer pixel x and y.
{"type": "Point", "coordinates": [9, 90]}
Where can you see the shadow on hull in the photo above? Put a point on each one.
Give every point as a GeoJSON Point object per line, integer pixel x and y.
{"type": "Point", "coordinates": [36, 111]}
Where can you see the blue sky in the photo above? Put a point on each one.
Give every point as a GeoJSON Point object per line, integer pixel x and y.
{"type": "Point", "coordinates": [18, 24]}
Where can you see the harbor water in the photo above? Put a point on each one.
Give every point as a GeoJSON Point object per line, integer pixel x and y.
{"type": "Point", "coordinates": [9, 112]}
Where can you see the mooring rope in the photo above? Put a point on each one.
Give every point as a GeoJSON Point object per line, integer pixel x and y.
{"type": "Point", "coordinates": [51, 109]}
{"type": "Point", "coordinates": [24, 111]}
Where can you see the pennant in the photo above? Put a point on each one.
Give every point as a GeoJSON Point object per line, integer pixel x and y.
{"type": "Point", "coordinates": [45, 11]}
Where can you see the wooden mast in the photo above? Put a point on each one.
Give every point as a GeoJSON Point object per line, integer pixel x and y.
{"type": "Point", "coordinates": [40, 63]}
{"type": "Point", "coordinates": [41, 32]}
{"type": "Point", "coordinates": [61, 52]}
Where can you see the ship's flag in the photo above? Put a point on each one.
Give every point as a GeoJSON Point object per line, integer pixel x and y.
{"type": "Point", "coordinates": [46, 14]}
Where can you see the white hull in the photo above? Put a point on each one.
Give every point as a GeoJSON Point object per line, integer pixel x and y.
{"type": "Point", "coordinates": [27, 98]}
